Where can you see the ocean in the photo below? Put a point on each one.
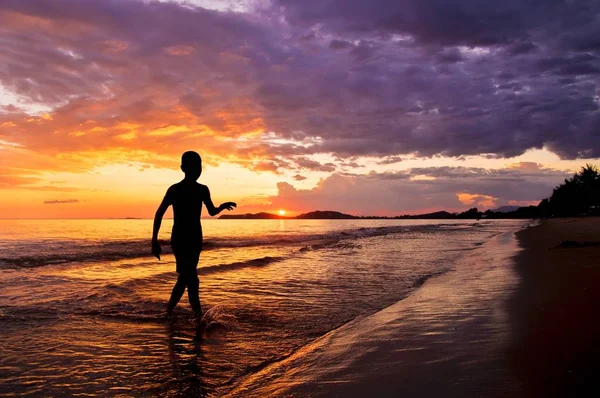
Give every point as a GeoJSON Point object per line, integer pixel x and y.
{"type": "Point", "coordinates": [82, 302]}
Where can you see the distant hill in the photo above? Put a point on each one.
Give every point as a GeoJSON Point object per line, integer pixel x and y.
{"type": "Point", "coordinates": [324, 215]}
{"type": "Point", "coordinates": [474, 213]}
{"type": "Point", "coordinates": [313, 215]}
{"type": "Point", "coordinates": [255, 216]}
{"type": "Point", "coordinates": [438, 215]}
{"type": "Point", "coordinates": [505, 209]}
{"type": "Point", "coordinates": [331, 215]}
{"type": "Point", "coordinates": [577, 196]}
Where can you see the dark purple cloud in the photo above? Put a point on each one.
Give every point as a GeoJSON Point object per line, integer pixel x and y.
{"type": "Point", "coordinates": [465, 108]}
{"type": "Point", "coordinates": [448, 23]}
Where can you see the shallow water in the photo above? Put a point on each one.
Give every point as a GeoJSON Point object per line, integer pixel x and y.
{"type": "Point", "coordinates": [81, 303]}
{"type": "Point", "coordinates": [450, 338]}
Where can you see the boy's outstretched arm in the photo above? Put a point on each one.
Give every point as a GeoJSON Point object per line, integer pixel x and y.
{"type": "Point", "coordinates": [160, 212]}
{"type": "Point", "coordinates": [212, 210]}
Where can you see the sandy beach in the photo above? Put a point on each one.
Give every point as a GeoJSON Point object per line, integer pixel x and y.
{"type": "Point", "coordinates": [516, 318]}
{"type": "Point", "coordinates": [557, 344]}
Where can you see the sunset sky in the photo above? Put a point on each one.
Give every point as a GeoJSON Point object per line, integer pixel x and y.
{"type": "Point", "coordinates": [367, 107]}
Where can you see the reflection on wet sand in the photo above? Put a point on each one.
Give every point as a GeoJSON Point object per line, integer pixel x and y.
{"type": "Point", "coordinates": [187, 357]}
{"type": "Point", "coordinates": [447, 339]}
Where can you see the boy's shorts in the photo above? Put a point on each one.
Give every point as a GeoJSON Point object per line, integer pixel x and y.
{"type": "Point", "coordinates": [186, 260]}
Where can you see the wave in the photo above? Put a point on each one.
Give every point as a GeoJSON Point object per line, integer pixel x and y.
{"type": "Point", "coordinates": [256, 262]}
{"type": "Point", "coordinates": [121, 307]}
{"type": "Point", "coordinates": [70, 251]}
{"type": "Point", "coordinates": [129, 287]}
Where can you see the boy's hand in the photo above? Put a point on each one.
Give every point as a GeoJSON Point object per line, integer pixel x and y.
{"type": "Point", "coordinates": [156, 249]}
{"type": "Point", "coordinates": [229, 205]}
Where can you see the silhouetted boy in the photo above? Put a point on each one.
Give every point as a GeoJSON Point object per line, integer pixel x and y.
{"type": "Point", "coordinates": [186, 197]}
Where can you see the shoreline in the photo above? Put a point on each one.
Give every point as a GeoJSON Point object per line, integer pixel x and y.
{"type": "Point", "coordinates": [536, 335]}
{"type": "Point", "coordinates": [447, 338]}
{"type": "Point", "coordinates": [556, 342]}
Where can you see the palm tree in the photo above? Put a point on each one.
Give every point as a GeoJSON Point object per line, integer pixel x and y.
{"type": "Point", "coordinates": [578, 195]}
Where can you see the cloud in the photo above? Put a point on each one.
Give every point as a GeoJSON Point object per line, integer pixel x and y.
{"type": "Point", "coordinates": [476, 200]}
{"type": "Point", "coordinates": [60, 201]}
{"type": "Point", "coordinates": [336, 44]}
{"type": "Point", "coordinates": [313, 165]}
{"type": "Point", "coordinates": [275, 84]}
{"type": "Point", "coordinates": [390, 160]}
{"type": "Point", "coordinates": [299, 177]}
{"type": "Point", "coordinates": [9, 181]}
{"type": "Point", "coordinates": [420, 190]}
{"type": "Point", "coordinates": [440, 22]}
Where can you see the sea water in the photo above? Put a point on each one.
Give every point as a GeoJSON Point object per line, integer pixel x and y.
{"type": "Point", "coordinates": [82, 303]}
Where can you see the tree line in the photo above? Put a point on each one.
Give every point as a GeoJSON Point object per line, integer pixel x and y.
{"type": "Point", "coordinates": [576, 196]}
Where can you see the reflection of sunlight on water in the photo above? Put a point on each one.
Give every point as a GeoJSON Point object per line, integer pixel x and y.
{"type": "Point", "coordinates": [186, 356]}
{"type": "Point", "coordinates": [100, 325]}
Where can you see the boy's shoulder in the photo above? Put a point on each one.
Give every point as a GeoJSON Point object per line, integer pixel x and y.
{"type": "Point", "coordinates": [182, 185]}
{"type": "Point", "coordinates": [173, 187]}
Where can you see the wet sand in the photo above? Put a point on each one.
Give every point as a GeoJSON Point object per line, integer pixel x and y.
{"type": "Point", "coordinates": [448, 339]}
{"type": "Point", "coordinates": [555, 310]}
{"type": "Point", "coordinates": [511, 320]}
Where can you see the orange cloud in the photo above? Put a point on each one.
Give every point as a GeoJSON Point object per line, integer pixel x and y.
{"type": "Point", "coordinates": [525, 166]}
{"type": "Point", "coordinates": [180, 50]}
{"type": "Point", "coordinates": [475, 199]}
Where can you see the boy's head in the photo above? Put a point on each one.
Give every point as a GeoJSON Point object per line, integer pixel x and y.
{"type": "Point", "coordinates": [191, 164]}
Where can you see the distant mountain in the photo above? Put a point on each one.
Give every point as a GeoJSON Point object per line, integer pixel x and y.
{"type": "Point", "coordinates": [438, 215]}
{"type": "Point", "coordinates": [255, 216]}
{"type": "Point", "coordinates": [474, 213]}
{"type": "Point", "coordinates": [505, 209]}
{"type": "Point", "coordinates": [330, 215]}
{"type": "Point", "coordinates": [324, 215]}
{"type": "Point", "coordinates": [313, 215]}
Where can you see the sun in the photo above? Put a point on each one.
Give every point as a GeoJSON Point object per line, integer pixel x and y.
{"type": "Point", "coordinates": [282, 212]}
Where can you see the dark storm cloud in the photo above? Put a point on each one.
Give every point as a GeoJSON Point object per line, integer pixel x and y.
{"type": "Point", "coordinates": [347, 78]}
{"type": "Point", "coordinates": [443, 22]}
{"type": "Point", "coordinates": [529, 46]}
{"type": "Point", "coordinates": [339, 44]}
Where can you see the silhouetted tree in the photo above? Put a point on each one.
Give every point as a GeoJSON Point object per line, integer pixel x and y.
{"type": "Point", "coordinates": [543, 209]}
{"type": "Point", "coordinates": [471, 213]}
{"type": "Point", "coordinates": [578, 195]}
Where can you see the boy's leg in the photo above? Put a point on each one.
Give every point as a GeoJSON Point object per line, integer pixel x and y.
{"type": "Point", "coordinates": [187, 262]}
{"type": "Point", "coordinates": [177, 292]}
{"type": "Point", "coordinates": [193, 285]}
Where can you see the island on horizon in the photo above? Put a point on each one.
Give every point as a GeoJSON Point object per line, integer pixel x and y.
{"type": "Point", "coordinates": [575, 197]}
{"type": "Point", "coordinates": [474, 213]}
